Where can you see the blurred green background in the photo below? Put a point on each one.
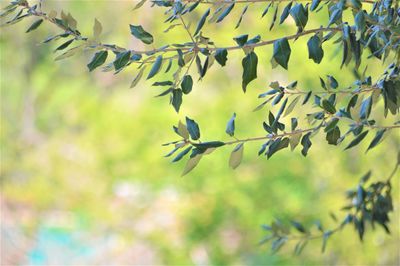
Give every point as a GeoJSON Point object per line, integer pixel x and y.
{"type": "Point", "coordinates": [84, 180]}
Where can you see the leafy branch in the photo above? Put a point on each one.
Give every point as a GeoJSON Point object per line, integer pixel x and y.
{"type": "Point", "coordinates": [371, 204]}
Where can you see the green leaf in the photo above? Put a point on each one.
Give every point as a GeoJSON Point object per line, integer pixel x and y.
{"type": "Point", "coordinates": [359, 20]}
{"type": "Point", "coordinates": [333, 82]}
{"type": "Point", "coordinates": [201, 22]}
{"type": "Point", "coordinates": [187, 84]}
{"type": "Point", "coordinates": [156, 67]}
{"type": "Point", "coordinates": [357, 140]}
{"type": "Point", "coordinates": [306, 143]}
{"type": "Point", "coordinates": [331, 124]}
{"type": "Point", "coordinates": [282, 52]}
{"type": "Point", "coordinates": [121, 60]}
{"type": "Point", "coordinates": [176, 99]}
{"type": "Point", "coordinates": [274, 18]}
{"type": "Point", "coordinates": [35, 25]}
{"type": "Point", "coordinates": [375, 141]}
{"type": "Point", "coordinates": [285, 12]}
{"type": "Point", "coordinates": [98, 59]}
{"type": "Point", "coordinates": [139, 75]}
{"type": "Point", "coordinates": [300, 15]}
{"type": "Point", "coordinates": [193, 128]}
{"type": "Point", "coordinates": [209, 144]}
{"type": "Point", "coordinates": [266, 9]}
{"type": "Point", "coordinates": [141, 34]}
{"type": "Point", "coordinates": [333, 136]}
{"type": "Point", "coordinates": [181, 61]}
{"type": "Point", "coordinates": [241, 16]}
{"type": "Point", "coordinates": [182, 154]}
{"type": "Point", "coordinates": [276, 145]}
{"type": "Point", "coordinates": [315, 51]}
{"type": "Point", "coordinates": [254, 40]}
{"type": "Point", "coordinates": [225, 12]}
{"type": "Point", "coordinates": [64, 45]}
{"type": "Point", "coordinates": [163, 83]}
{"type": "Point", "coordinates": [230, 127]}
{"type": "Point", "coordinates": [236, 156]}
{"type": "Point", "coordinates": [249, 64]}
{"type": "Point", "coordinates": [328, 106]}
{"type": "Point", "coordinates": [241, 40]}
{"type": "Point", "coordinates": [221, 56]}
{"type": "Point", "coordinates": [299, 227]}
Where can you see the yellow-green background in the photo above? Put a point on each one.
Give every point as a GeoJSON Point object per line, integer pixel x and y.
{"type": "Point", "coordinates": [82, 161]}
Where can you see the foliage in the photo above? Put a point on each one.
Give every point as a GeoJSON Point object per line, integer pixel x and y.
{"type": "Point", "coordinates": [342, 115]}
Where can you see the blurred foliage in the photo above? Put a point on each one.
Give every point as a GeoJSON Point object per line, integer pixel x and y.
{"type": "Point", "coordinates": [81, 159]}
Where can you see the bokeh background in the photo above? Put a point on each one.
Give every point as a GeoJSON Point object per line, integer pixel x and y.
{"type": "Point", "coordinates": [84, 180]}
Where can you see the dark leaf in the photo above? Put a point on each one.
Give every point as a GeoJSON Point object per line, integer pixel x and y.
{"type": "Point", "coordinates": [201, 22]}
{"type": "Point", "coordinates": [225, 12]}
{"type": "Point", "coordinates": [141, 34]}
{"type": "Point", "coordinates": [314, 4]}
{"type": "Point", "coordinates": [163, 83]}
{"type": "Point", "coordinates": [193, 128]}
{"type": "Point", "coordinates": [375, 141]}
{"type": "Point", "coordinates": [187, 84]}
{"type": "Point", "coordinates": [210, 144]}
{"type": "Point", "coordinates": [241, 40]}
{"type": "Point", "coordinates": [121, 60]}
{"type": "Point", "coordinates": [35, 25]}
{"type": "Point", "coordinates": [176, 99]}
{"type": "Point", "coordinates": [276, 145]}
{"type": "Point", "coordinates": [357, 140]}
{"type": "Point", "coordinates": [221, 56]}
{"type": "Point", "coordinates": [241, 16]}
{"type": "Point", "coordinates": [315, 51]}
{"type": "Point", "coordinates": [64, 45]}
{"type": "Point", "coordinates": [333, 135]}
{"type": "Point", "coordinates": [285, 12]}
{"type": "Point", "coordinates": [332, 82]}
{"type": "Point", "coordinates": [306, 143]}
{"type": "Point", "coordinates": [298, 226]}
{"type": "Point", "coordinates": [328, 106]}
{"type": "Point", "coordinates": [182, 154]}
{"type": "Point", "coordinates": [300, 16]}
{"type": "Point", "coordinates": [98, 59]}
{"type": "Point", "coordinates": [282, 52]}
{"type": "Point", "coordinates": [249, 64]}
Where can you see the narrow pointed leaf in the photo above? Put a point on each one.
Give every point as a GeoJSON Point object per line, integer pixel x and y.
{"type": "Point", "coordinates": [156, 67]}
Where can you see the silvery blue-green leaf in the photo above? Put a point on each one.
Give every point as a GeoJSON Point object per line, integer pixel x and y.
{"type": "Point", "coordinates": [230, 127]}
{"type": "Point", "coordinates": [156, 67]}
